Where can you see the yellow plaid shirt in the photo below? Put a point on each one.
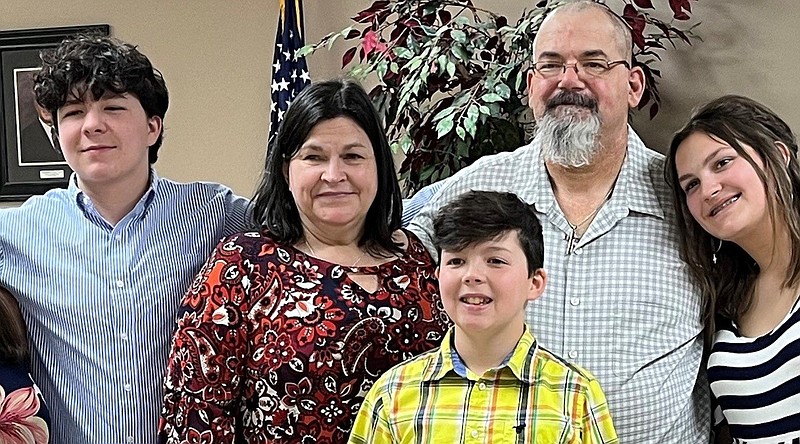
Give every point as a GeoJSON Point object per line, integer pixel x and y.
{"type": "Point", "coordinates": [534, 397]}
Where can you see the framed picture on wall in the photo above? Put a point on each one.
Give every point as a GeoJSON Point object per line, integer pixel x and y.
{"type": "Point", "coordinates": [30, 163]}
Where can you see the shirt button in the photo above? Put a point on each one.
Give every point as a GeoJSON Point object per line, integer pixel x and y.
{"type": "Point", "coordinates": [474, 433]}
{"type": "Point", "coordinates": [123, 336]}
{"type": "Point", "coordinates": [575, 302]}
{"type": "Point", "coordinates": [119, 238]}
{"type": "Point", "coordinates": [129, 439]}
{"type": "Point", "coordinates": [482, 386]}
{"type": "Point", "coordinates": [573, 354]}
{"type": "Point", "coordinates": [579, 251]}
{"type": "Point", "coordinates": [120, 284]}
{"type": "Point", "coordinates": [128, 387]}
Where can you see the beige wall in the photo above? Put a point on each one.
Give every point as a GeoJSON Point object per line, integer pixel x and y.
{"type": "Point", "coordinates": [216, 56]}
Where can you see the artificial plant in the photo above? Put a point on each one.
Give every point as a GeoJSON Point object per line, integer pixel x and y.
{"type": "Point", "coordinates": [451, 75]}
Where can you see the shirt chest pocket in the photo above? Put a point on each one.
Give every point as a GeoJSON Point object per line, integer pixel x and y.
{"type": "Point", "coordinates": [548, 432]}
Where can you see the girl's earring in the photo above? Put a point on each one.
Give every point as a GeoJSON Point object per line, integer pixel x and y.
{"type": "Point", "coordinates": [715, 250]}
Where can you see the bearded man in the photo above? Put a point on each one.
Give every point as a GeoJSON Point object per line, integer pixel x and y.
{"type": "Point", "coordinates": [619, 300]}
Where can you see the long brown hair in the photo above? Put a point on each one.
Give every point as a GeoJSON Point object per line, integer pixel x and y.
{"type": "Point", "coordinates": [13, 339]}
{"type": "Point", "coordinates": [728, 284]}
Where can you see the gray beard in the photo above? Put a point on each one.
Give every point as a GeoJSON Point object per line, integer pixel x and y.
{"type": "Point", "coordinates": [569, 140]}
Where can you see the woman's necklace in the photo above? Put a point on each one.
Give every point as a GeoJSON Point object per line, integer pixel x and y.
{"type": "Point", "coordinates": [313, 253]}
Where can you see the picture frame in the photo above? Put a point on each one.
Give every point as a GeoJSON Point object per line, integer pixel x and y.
{"type": "Point", "coordinates": [30, 164]}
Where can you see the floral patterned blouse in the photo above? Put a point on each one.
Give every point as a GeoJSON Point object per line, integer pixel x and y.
{"type": "Point", "coordinates": [24, 419]}
{"type": "Point", "coordinates": [275, 346]}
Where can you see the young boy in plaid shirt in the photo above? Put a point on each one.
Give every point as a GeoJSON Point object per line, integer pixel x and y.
{"type": "Point", "coordinates": [489, 382]}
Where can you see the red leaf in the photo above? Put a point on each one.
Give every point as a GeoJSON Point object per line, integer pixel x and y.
{"type": "Point", "coordinates": [348, 56]}
{"type": "Point", "coordinates": [681, 16]}
{"type": "Point", "coordinates": [644, 4]}
{"type": "Point", "coordinates": [445, 16]}
{"type": "Point", "coordinates": [653, 110]}
{"type": "Point", "coordinates": [380, 4]}
{"type": "Point", "coordinates": [678, 7]}
{"type": "Point", "coordinates": [637, 23]}
{"type": "Point", "coordinates": [352, 34]}
{"type": "Point", "coordinates": [363, 16]}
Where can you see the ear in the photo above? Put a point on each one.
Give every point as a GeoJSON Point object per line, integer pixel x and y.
{"type": "Point", "coordinates": [530, 87]}
{"type": "Point", "coordinates": [785, 152]}
{"type": "Point", "coordinates": [154, 126]}
{"type": "Point", "coordinates": [538, 283]}
{"type": "Point", "coordinates": [285, 170]}
{"type": "Point", "coordinates": [636, 82]}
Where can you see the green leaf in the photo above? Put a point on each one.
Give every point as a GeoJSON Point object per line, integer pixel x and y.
{"type": "Point", "coordinates": [460, 52]}
{"type": "Point", "coordinates": [459, 36]}
{"type": "Point", "coordinates": [446, 171]}
{"type": "Point", "coordinates": [429, 31]}
{"type": "Point", "coordinates": [449, 111]}
{"type": "Point", "coordinates": [462, 149]}
{"type": "Point", "coordinates": [491, 97]}
{"type": "Point", "coordinates": [451, 68]}
{"type": "Point", "coordinates": [472, 111]}
{"type": "Point", "coordinates": [461, 132]}
{"type": "Point", "coordinates": [329, 45]}
{"type": "Point", "coordinates": [444, 127]}
{"type": "Point", "coordinates": [358, 72]}
{"type": "Point", "coordinates": [407, 143]}
{"type": "Point", "coordinates": [403, 53]}
{"type": "Point", "coordinates": [414, 64]}
{"type": "Point", "coordinates": [503, 90]}
{"type": "Point", "coordinates": [382, 67]}
{"type": "Point", "coordinates": [462, 99]}
{"type": "Point", "coordinates": [442, 62]}
{"type": "Point", "coordinates": [306, 50]}
{"type": "Point", "coordinates": [471, 119]}
{"type": "Point", "coordinates": [461, 20]}
{"type": "Point", "coordinates": [346, 31]}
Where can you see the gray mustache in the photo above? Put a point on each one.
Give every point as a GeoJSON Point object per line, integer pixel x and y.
{"type": "Point", "coordinates": [572, 98]}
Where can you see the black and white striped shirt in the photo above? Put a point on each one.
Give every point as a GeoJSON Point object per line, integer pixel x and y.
{"type": "Point", "coordinates": [756, 382]}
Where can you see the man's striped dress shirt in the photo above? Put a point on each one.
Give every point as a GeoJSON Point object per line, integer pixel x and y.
{"type": "Point", "coordinates": [534, 397]}
{"type": "Point", "coordinates": [100, 300]}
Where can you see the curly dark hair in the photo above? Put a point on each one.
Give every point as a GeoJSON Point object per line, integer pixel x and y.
{"type": "Point", "coordinates": [100, 64]}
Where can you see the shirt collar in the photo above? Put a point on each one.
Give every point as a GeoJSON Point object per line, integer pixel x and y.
{"type": "Point", "coordinates": [634, 190]}
{"type": "Point", "coordinates": [518, 361]}
{"type": "Point", "coordinates": [85, 203]}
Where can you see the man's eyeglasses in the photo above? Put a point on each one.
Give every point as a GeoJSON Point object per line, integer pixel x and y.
{"type": "Point", "coordinates": [590, 67]}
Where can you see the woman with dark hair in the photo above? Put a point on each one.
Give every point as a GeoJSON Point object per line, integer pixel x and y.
{"type": "Point", "coordinates": [284, 330]}
{"type": "Point", "coordinates": [734, 173]}
{"type": "Point", "coordinates": [24, 419]}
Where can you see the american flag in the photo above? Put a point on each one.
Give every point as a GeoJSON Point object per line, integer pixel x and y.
{"type": "Point", "coordinates": [289, 73]}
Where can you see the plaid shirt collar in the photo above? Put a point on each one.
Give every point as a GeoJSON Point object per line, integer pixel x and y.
{"type": "Point", "coordinates": [518, 361]}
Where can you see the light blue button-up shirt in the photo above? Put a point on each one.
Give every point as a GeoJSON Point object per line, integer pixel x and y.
{"type": "Point", "coordinates": [100, 300]}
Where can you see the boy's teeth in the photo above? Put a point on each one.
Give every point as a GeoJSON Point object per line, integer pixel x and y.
{"type": "Point", "coordinates": [476, 300]}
